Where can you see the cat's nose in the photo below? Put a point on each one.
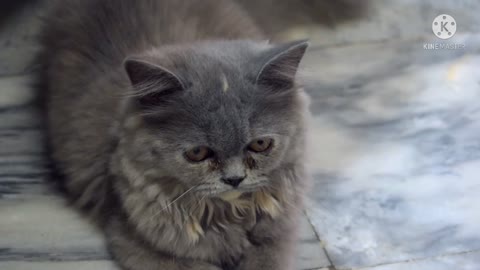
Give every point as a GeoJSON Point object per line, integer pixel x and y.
{"type": "Point", "coordinates": [233, 181]}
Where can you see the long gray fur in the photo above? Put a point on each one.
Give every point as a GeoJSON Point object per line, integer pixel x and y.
{"type": "Point", "coordinates": [130, 86]}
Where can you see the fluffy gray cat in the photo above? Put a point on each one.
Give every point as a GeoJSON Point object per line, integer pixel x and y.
{"type": "Point", "coordinates": [178, 129]}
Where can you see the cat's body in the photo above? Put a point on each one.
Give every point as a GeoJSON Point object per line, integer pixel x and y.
{"type": "Point", "coordinates": [120, 131]}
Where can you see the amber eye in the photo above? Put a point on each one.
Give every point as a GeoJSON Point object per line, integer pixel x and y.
{"type": "Point", "coordinates": [260, 145]}
{"type": "Point", "coordinates": [199, 153]}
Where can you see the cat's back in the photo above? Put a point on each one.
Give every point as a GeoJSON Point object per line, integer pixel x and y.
{"type": "Point", "coordinates": [102, 32]}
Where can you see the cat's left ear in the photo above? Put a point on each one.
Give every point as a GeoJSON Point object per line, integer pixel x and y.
{"type": "Point", "coordinates": [281, 65]}
{"type": "Point", "coordinates": [153, 84]}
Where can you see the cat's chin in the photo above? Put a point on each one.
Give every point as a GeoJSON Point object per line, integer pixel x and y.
{"type": "Point", "coordinates": [230, 195]}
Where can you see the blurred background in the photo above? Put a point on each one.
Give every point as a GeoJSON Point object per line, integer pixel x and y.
{"type": "Point", "coordinates": [395, 139]}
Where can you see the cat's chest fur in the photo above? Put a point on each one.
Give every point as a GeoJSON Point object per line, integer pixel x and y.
{"type": "Point", "coordinates": [214, 230]}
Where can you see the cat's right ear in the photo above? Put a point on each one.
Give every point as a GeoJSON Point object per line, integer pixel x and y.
{"type": "Point", "coordinates": [152, 84]}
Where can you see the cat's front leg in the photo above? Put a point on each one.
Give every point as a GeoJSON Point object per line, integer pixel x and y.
{"type": "Point", "coordinates": [132, 254]}
{"type": "Point", "coordinates": [272, 246]}
{"type": "Point", "coordinates": [134, 259]}
{"type": "Point", "coordinates": [266, 257]}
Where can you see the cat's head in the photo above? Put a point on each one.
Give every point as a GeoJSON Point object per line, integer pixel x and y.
{"type": "Point", "coordinates": [215, 116]}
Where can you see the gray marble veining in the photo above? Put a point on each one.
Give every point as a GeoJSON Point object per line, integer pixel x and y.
{"type": "Point", "coordinates": [58, 265]}
{"type": "Point", "coordinates": [396, 152]}
{"type": "Point", "coordinates": [394, 20]}
{"type": "Point", "coordinates": [463, 261]}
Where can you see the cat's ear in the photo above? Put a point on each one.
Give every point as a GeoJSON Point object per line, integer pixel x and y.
{"type": "Point", "coordinates": [151, 83]}
{"type": "Point", "coordinates": [281, 65]}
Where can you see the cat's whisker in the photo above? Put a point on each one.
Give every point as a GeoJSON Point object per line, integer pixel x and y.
{"type": "Point", "coordinates": [191, 213]}
{"type": "Point", "coordinates": [198, 205]}
{"type": "Point", "coordinates": [178, 198]}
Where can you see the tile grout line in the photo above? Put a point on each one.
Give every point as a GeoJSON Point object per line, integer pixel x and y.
{"type": "Point", "coordinates": [417, 259]}
{"type": "Point", "coordinates": [331, 266]}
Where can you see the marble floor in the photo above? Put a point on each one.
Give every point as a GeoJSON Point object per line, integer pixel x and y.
{"type": "Point", "coordinates": [395, 153]}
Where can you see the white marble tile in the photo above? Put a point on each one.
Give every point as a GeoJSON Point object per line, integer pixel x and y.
{"type": "Point", "coordinates": [336, 68]}
{"type": "Point", "coordinates": [18, 39]}
{"type": "Point", "coordinates": [310, 252]}
{"type": "Point", "coordinates": [310, 255]}
{"type": "Point", "coordinates": [44, 228]}
{"type": "Point", "coordinates": [15, 91]}
{"type": "Point", "coordinates": [78, 265]}
{"type": "Point", "coordinates": [393, 20]}
{"type": "Point", "coordinates": [22, 142]}
{"type": "Point", "coordinates": [396, 153]}
{"type": "Point", "coordinates": [468, 261]}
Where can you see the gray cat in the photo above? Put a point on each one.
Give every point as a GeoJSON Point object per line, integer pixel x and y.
{"type": "Point", "coordinates": [178, 129]}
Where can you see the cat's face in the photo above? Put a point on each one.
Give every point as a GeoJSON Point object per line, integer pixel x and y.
{"type": "Point", "coordinates": [216, 121]}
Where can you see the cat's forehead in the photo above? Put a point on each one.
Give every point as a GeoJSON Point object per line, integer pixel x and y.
{"type": "Point", "coordinates": [221, 96]}
{"type": "Point", "coordinates": [219, 120]}
{"type": "Point", "coordinates": [223, 93]}
{"type": "Point", "coordinates": [213, 60]}
{"type": "Point", "coordinates": [219, 70]}
{"type": "Point", "coordinates": [213, 83]}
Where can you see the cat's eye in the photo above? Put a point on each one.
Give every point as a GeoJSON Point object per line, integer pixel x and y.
{"type": "Point", "coordinates": [260, 145]}
{"type": "Point", "coordinates": [199, 153]}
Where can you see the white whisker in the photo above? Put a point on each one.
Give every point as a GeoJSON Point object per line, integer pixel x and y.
{"type": "Point", "coordinates": [178, 198]}
{"type": "Point", "coordinates": [190, 214]}
{"type": "Point", "coordinates": [201, 199]}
